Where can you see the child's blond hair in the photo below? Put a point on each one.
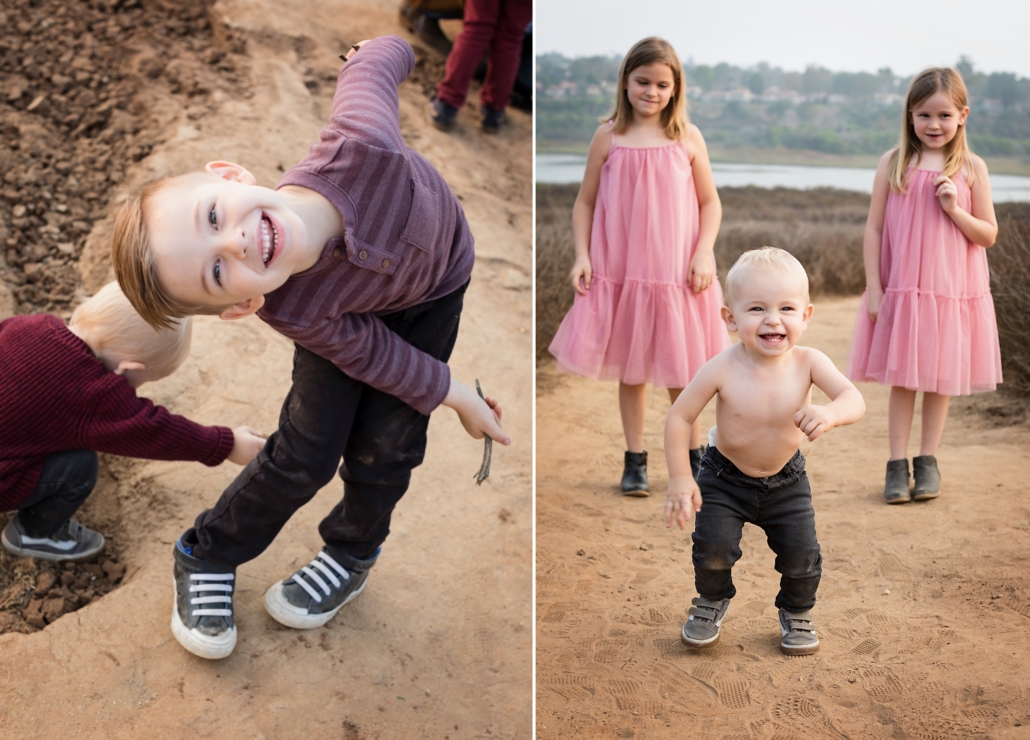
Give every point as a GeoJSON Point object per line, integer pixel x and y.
{"type": "Point", "coordinates": [117, 332]}
{"type": "Point", "coordinates": [764, 258]}
{"type": "Point", "coordinates": [134, 266]}
{"type": "Point", "coordinates": [956, 154]}
{"type": "Point", "coordinates": [674, 116]}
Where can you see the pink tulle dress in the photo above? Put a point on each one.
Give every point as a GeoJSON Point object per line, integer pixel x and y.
{"type": "Point", "coordinates": [641, 321]}
{"type": "Point", "coordinates": [936, 330]}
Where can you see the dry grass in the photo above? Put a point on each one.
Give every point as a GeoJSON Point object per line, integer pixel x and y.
{"type": "Point", "coordinates": [1010, 284]}
{"type": "Point", "coordinates": [822, 228]}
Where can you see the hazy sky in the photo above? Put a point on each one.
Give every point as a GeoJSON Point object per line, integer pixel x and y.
{"type": "Point", "coordinates": [905, 35]}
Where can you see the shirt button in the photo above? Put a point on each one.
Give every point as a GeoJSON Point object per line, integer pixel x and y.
{"type": "Point", "coordinates": [336, 252]}
{"type": "Point", "coordinates": [362, 255]}
{"type": "Point", "coordinates": [386, 263]}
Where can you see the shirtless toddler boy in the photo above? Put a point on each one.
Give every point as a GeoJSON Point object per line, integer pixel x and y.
{"type": "Point", "coordinates": [753, 470]}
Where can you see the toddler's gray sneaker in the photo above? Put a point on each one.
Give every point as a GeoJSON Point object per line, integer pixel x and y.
{"type": "Point", "coordinates": [202, 617]}
{"type": "Point", "coordinates": [798, 633]}
{"type": "Point", "coordinates": [703, 623]}
{"type": "Point", "coordinates": [312, 596]}
{"type": "Point", "coordinates": [71, 541]}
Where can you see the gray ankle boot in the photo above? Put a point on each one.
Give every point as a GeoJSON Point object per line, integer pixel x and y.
{"type": "Point", "coordinates": [895, 490]}
{"type": "Point", "coordinates": [928, 478]}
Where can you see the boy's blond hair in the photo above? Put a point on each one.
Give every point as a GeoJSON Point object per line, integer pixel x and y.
{"type": "Point", "coordinates": [134, 266]}
{"type": "Point", "coordinates": [764, 258]}
{"type": "Point", "coordinates": [117, 332]}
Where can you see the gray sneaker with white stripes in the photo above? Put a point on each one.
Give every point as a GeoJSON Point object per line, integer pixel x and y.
{"type": "Point", "coordinates": [312, 596]}
{"type": "Point", "coordinates": [202, 618]}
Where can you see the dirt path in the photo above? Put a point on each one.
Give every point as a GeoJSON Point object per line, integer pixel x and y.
{"type": "Point", "coordinates": [439, 645]}
{"type": "Point", "coordinates": [923, 612]}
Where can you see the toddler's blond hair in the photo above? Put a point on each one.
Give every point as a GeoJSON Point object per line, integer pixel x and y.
{"type": "Point", "coordinates": [117, 332]}
{"type": "Point", "coordinates": [764, 258]}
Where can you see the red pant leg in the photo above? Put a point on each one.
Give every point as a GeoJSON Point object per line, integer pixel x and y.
{"type": "Point", "coordinates": [505, 51]}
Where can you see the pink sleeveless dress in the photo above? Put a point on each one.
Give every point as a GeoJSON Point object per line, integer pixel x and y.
{"type": "Point", "coordinates": [936, 330]}
{"type": "Point", "coordinates": [641, 321]}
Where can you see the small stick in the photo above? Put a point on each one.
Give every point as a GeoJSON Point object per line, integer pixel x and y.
{"type": "Point", "coordinates": [488, 448]}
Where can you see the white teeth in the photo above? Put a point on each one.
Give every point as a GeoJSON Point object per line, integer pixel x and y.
{"type": "Point", "coordinates": [267, 239]}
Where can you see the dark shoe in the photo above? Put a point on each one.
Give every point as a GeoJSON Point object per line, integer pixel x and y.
{"type": "Point", "coordinates": [71, 542]}
{"type": "Point", "coordinates": [491, 119]}
{"type": "Point", "coordinates": [312, 596]}
{"type": "Point", "coordinates": [442, 114]}
{"type": "Point", "coordinates": [895, 490]}
{"type": "Point", "coordinates": [928, 478]}
{"type": "Point", "coordinates": [634, 474]}
{"type": "Point", "coordinates": [202, 618]}
{"type": "Point", "coordinates": [695, 461]}
{"type": "Point", "coordinates": [703, 623]}
{"type": "Point", "coordinates": [425, 27]}
{"type": "Point", "coordinates": [798, 633]}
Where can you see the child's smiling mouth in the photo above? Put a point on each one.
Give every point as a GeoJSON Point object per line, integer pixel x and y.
{"type": "Point", "coordinates": [772, 337]}
{"type": "Point", "coordinates": [269, 239]}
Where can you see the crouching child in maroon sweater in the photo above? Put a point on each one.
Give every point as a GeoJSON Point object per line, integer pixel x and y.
{"type": "Point", "coordinates": [69, 392]}
{"type": "Point", "coordinates": [361, 256]}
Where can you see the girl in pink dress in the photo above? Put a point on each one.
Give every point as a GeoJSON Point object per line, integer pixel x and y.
{"type": "Point", "coordinates": [926, 321]}
{"type": "Point", "coordinates": [648, 303]}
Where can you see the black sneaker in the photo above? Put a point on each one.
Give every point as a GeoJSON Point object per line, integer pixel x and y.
{"type": "Point", "coordinates": [491, 119]}
{"type": "Point", "coordinates": [312, 596]}
{"type": "Point", "coordinates": [442, 114]}
{"type": "Point", "coordinates": [202, 617]}
{"type": "Point", "coordinates": [71, 542]}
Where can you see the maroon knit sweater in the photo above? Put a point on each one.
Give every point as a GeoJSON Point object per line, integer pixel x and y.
{"type": "Point", "coordinates": [56, 395]}
{"type": "Point", "coordinates": [406, 239]}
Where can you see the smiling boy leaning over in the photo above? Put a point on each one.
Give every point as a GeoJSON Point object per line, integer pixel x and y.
{"type": "Point", "coordinates": [753, 470]}
{"type": "Point", "coordinates": [361, 256]}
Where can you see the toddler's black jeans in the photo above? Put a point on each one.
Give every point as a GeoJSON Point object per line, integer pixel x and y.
{"type": "Point", "coordinates": [326, 416]}
{"type": "Point", "coordinates": [780, 504]}
{"type": "Point", "coordinates": [64, 485]}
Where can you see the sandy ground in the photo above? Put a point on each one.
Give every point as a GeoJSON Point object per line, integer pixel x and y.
{"type": "Point", "coordinates": [923, 612]}
{"type": "Point", "coordinates": [439, 645]}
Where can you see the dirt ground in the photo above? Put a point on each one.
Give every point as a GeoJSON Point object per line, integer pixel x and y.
{"type": "Point", "coordinates": [923, 611]}
{"type": "Point", "coordinates": [440, 643]}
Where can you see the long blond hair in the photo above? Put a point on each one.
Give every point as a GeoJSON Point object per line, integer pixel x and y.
{"type": "Point", "coordinates": [674, 116]}
{"type": "Point", "coordinates": [956, 154]}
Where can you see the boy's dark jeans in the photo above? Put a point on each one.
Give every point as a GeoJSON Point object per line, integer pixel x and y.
{"type": "Point", "coordinates": [64, 485]}
{"type": "Point", "coordinates": [781, 505]}
{"type": "Point", "coordinates": [328, 415]}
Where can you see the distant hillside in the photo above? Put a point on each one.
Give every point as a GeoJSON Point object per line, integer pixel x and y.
{"type": "Point", "coordinates": [763, 107]}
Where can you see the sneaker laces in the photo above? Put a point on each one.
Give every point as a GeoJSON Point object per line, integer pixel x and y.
{"type": "Point", "coordinates": [202, 585]}
{"type": "Point", "coordinates": [326, 565]}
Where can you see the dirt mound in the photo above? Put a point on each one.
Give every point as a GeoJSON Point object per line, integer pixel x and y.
{"type": "Point", "coordinates": [78, 80]}
{"type": "Point", "coordinates": [35, 593]}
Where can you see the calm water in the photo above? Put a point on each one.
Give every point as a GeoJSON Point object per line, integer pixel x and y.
{"type": "Point", "coordinates": [560, 168]}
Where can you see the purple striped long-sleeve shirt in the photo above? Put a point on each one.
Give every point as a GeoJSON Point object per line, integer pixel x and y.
{"type": "Point", "coordinates": [406, 241]}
